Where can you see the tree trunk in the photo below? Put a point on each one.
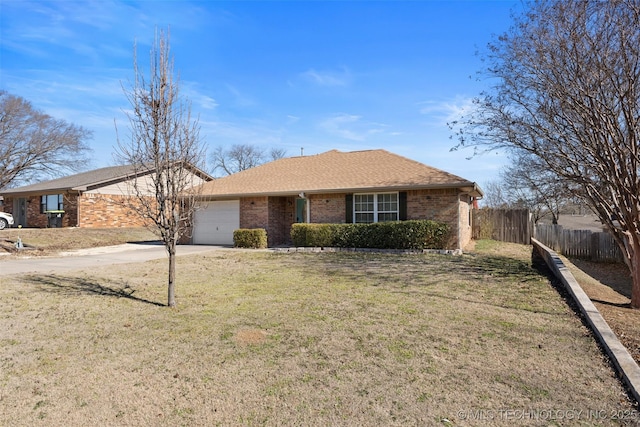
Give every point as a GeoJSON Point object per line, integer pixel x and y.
{"type": "Point", "coordinates": [171, 300]}
{"type": "Point", "coordinates": [635, 274]}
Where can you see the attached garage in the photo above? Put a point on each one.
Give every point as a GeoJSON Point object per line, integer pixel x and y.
{"type": "Point", "coordinates": [215, 223]}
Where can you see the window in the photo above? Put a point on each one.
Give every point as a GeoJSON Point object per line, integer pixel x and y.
{"type": "Point", "coordinates": [368, 208]}
{"type": "Point", "coordinates": [51, 202]}
{"type": "Point", "coordinates": [387, 207]}
{"type": "Point", "coordinates": [363, 208]}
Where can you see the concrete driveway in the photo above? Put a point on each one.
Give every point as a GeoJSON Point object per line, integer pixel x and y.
{"type": "Point", "coordinates": [87, 258]}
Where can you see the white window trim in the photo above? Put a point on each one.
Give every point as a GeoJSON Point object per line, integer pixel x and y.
{"type": "Point", "coordinates": [375, 205]}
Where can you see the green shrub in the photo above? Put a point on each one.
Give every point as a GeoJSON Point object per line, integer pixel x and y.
{"type": "Point", "coordinates": [255, 238]}
{"type": "Point", "coordinates": [414, 234]}
{"type": "Point", "coordinates": [299, 234]}
{"type": "Point", "coordinates": [313, 234]}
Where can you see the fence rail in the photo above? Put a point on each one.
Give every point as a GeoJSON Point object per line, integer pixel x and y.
{"type": "Point", "coordinates": [585, 244]}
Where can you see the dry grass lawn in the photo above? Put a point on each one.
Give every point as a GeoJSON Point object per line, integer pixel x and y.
{"type": "Point", "coordinates": [262, 338]}
{"type": "Point", "coordinates": [48, 241]}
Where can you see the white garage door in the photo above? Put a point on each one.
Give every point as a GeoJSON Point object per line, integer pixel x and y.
{"type": "Point", "coordinates": [215, 223]}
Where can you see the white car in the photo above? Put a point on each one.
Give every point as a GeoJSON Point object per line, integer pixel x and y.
{"type": "Point", "coordinates": [6, 220]}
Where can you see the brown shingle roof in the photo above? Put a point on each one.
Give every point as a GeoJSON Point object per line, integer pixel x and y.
{"type": "Point", "coordinates": [334, 171]}
{"type": "Point", "coordinates": [84, 180]}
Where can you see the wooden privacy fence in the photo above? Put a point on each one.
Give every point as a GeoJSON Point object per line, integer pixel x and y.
{"type": "Point", "coordinates": [515, 226]}
{"type": "Point", "coordinates": [585, 244]}
{"type": "Point", "coordinates": [506, 225]}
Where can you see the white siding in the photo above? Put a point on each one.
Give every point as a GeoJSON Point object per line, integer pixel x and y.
{"type": "Point", "coordinates": [145, 183]}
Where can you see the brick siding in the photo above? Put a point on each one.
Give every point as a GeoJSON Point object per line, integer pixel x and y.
{"type": "Point", "coordinates": [274, 214]}
{"type": "Point", "coordinates": [281, 216]}
{"type": "Point", "coordinates": [254, 212]}
{"type": "Point", "coordinates": [277, 214]}
{"type": "Point", "coordinates": [36, 219]}
{"type": "Point", "coordinates": [447, 206]}
{"type": "Point", "coordinates": [328, 208]}
{"type": "Point", "coordinates": [96, 211]}
{"type": "Point", "coordinates": [107, 211]}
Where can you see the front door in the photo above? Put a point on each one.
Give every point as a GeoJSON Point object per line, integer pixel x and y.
{"type": "Point", "coordinates": [20, 212]}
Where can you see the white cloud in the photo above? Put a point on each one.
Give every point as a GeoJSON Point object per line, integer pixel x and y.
{"type": "Point", "coordinates": [444, 112]}
{"type": "Point", "coordinates": [198, 99]}
{"type": "Point", "coordinates": [240, 99]}
{"type": "Point", "coordinates": [352, 127]}
{"type": "Point", "coordinates": [44, 29]}
{"type": "Point", "coordinates": [327, 78]}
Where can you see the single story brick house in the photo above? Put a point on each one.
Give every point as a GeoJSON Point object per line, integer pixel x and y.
{"type": "Point", "coordinates": [333, 187]}
{"type": "Point", "coordinates": [99, 198]}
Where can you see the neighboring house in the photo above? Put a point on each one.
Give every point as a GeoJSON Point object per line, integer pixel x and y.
{"type": "Point", "coordinates": [333, 187]}
{"type": "Point", "coordinates": [100, 198]}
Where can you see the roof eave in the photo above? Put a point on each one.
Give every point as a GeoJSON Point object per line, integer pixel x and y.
{"type": "Point", "coordinates": [8, 193]}
{"type": "Point", "coordinates": [470, 188]}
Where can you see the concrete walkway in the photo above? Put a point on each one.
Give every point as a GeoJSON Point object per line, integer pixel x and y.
{"type": "Point", "coordinates": [87, 258]}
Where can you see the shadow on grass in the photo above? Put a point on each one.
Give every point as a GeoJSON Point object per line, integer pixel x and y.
{"type": "Point", "coordinates": [490, 280]}
{"type": "Point", "coordinates": [404, 266]}
{"type": "Point", "coordinates": [614, 275]}
{"type": "Point", "coordinates": [500, 267]}
{"type": "Point", "coordinates": [83, 286]}
{"type": "Point", "coordinates": [612, 304]}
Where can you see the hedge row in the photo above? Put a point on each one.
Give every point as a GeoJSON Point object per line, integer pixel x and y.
{"type": "Point", "coordinates": [414, 234]}
{"type": "Point", "coordinates": [255, 238]}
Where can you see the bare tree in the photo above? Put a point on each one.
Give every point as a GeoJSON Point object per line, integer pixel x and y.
{"type": "Point", "coordinates": [529, 184]}
{"type": "Point", "coordinates": [494, 195]}
{"type": "Point", "coordinates": [277, 153]}
{"type": "Point", "coordinates": [241, 157]}
{"type": "Point", "coordinates": [568, 91]}
{"type": "Point", "coordinates": [34, 144]}
{"type": "Point", "coordinates": [164, 147]}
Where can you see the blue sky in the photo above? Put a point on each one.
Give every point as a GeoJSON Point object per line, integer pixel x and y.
{"type": "Point", "coordinates": [317, 75]}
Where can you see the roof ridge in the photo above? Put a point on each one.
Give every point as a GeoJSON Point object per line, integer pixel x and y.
{"type": "Point", "coordinates": [334, 170]}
